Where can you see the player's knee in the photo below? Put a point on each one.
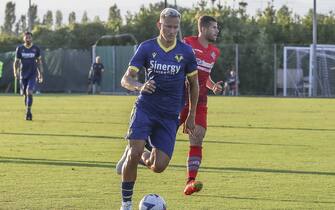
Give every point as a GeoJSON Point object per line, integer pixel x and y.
{"type": "Point", "coordinates": [134, 154]}
{"type": "Point", "coordinates": [29, 92]}
{"type": "Point", "coordinates": [158, 167]}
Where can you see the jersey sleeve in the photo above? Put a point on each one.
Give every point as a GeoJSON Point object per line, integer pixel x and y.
{"type": "Point", "coordinates": [18, 53]}
{"type": "Point", "coordinates": [191, 66]}
{"type": "Point", "coordinates": [186, 40]}
{"type": "Point", "coordinates": [138, 60]}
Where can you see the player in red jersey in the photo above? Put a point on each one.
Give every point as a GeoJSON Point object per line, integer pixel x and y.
{"type": "Point", "coordinates": [206, 55]}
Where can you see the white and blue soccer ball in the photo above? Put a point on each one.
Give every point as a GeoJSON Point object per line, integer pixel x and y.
{"type": "Point", "coordinates": [152, 202]}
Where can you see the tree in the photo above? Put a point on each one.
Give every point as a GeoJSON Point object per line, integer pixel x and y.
{"type": "Point", "coordinates": [96, 19]}
{"type": "Point", "coordinates": [72, 18]}
{"type": "Point", "coordinates": [267, 17]}
{"type": "Point", "coordinates": [202, 4]}
{"type": "Point", "coordinates": [84, 19]}
{"type": "Point", "coordinates": [242, 10]}
{"type": "Point", "coordinates": [213, 3]}
{"type": "Point", "coordinates": [9, 17]}
{"type": "Point", "coordinates": [48, 19]}
{"type": "Point", "coordinates": [17, 26]}
{"type": "Point", "coordinates": [59, 19]}
{"type": "Point", "coordinates": [22, 24]}
{"type": "Point", "coordinates": [143, 24]}
{"type": "Point", "coordinates": [32, 12]}
{"type": "Point", "coordinates": [114, 18]}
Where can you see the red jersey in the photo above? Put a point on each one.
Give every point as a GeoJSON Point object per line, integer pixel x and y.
{"type": "Point", "coordinates": [206, 57]}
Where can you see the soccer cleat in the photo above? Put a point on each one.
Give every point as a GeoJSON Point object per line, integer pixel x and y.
{"type": "Point", "coordinates": [192, 187]}
{"type": "Point", "coordinates": [119, 164]}
{"type": "Point", "coordinates": [29, 116]}
{"type": "Point", "coordinates": [126, 206]}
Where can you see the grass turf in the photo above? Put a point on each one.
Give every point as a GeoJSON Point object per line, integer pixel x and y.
{"type": "Point", "coordinates": [259, 153]}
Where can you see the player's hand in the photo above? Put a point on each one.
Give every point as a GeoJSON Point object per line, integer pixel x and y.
{"type": "Point", "coordinates": [190, 124]}
{"type": "Point", "coordinates": [217, 88]}
{"type": "Point", "coordinates": [148, 87]}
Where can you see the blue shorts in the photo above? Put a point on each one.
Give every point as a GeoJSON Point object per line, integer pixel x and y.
{"type": "Point", "coordinates": [159, 131]}
{"type": "Point", "coordinates": [27, 84]}
{"type": "Point", "coordinates": [96, 80]}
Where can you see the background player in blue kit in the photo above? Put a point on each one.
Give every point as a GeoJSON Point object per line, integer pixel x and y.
{"type": "Point", "coordinates": [29, 63]}
{"type": "Point", "coordinates": [96, 74]}
{"type": "Point", "coordinates": [168, 63]}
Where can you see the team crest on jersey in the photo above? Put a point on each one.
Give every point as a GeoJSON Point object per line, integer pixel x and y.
{"type": "Point", "coordinates": [179, 57]}
{"type": "Point", "coordinates": [213, 55]}
{"type": "Point", "coordinates": [154, 54]}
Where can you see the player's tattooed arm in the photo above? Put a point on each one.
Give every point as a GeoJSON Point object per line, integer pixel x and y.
{"type": "Point", "coordinates": [129, 82]}
{"type": "Point", "coordinates": [16, 67]}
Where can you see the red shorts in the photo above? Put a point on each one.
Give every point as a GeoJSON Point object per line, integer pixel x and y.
{"type": "Point", "coordinates": [200, 116]}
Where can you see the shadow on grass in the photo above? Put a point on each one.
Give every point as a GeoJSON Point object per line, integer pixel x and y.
{"type": "Point", "coordinates": [86, 122]}
{"type": "Point", "coordinates": [245, 143]}
{"type": "Point", "coordinates": [121, 137]}
{"type": "Point", "coordinates": [62, 135]}
{"type": "Point", "coordinates": [73, 163]}
{"type": "Point", "coordinates": [99, 164]}
{"type": "Point", "coordinates": [272, 128]}
{"type": "Point", "coordinates": [266, 199]}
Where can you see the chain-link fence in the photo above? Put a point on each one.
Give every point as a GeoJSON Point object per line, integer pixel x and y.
{"type": "Point", "coordinates": [66, 70]}
{"type": "Point", "coordinates": [256, 66]}
{"type": "Point", "coordinates": [259, 68]}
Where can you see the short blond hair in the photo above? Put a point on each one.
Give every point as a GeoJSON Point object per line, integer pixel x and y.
{"type": "Point", "coordinates": [169, 12]}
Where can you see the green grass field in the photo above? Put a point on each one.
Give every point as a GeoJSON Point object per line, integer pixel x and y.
{"type": "Point", "coordinates": [259, 153]}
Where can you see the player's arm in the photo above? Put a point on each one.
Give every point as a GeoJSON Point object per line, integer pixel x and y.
{"type": "Point", "coordinates": [216, 87]}
{"type": "Point", "coordinates": [130, 82]}
{"type": "Point", "coordinates": [16, 67]}
{"type": "Point", "coordinates": [16, 64]}
{"type": "Point", "coordinates": [193, 101]}
{"type": "Point", "coordinates": [40, 69]}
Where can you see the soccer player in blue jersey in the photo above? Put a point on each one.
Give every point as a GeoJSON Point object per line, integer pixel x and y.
{"type": "Point", "coordinates": [168, 62]}
{"type": "Point", "coordinates": [96, 74]}
{"type": "Point", "coordinates": [28, 62]}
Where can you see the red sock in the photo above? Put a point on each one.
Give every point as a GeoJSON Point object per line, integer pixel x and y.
{"type": "Point", "coordinates": [194, 161]}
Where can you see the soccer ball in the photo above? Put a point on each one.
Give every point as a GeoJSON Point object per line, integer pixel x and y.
{"type": "Point", "coordinates": [152, 202]}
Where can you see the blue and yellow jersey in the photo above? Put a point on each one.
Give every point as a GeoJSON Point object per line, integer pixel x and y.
{"type": "Point", "coordinates": [168, 67]}
{"type": "Point", "coordinates": [28, 56]}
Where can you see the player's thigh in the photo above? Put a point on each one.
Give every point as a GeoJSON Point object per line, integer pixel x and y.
{"type": "Point", "coordinates": [140, 125]}
{"type": "Point", "coordinates": [163, 136]}
{"type": "Point", "coordinates": [200, 126]}
{"type": "Point", "coordinates": [23, 86]}
{"type": "Point", "coordinates": [31, 85]}
{"type": "Point", "coordinates": [201, 116]}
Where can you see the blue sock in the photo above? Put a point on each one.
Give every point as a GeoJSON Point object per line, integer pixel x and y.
{"type": "Point", "coordinates": [25, 99]}
{"type": "Point", "coordinates": [127, 191]}
{"type": "Point", "coordinates": [30, 100]}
